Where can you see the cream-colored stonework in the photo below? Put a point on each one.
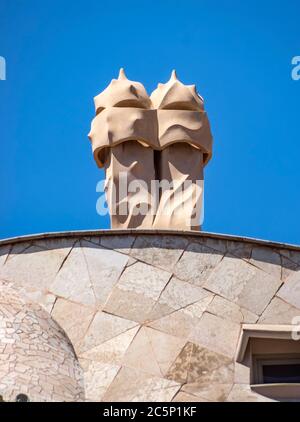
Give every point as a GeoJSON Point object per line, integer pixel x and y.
{"type": "Point", "coordinates": [137, 316]}
{"type": "Point", "coordinates": [140, 139]}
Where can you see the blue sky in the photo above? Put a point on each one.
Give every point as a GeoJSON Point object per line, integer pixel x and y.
{"type": "Point", "coordinates": [61, 53]}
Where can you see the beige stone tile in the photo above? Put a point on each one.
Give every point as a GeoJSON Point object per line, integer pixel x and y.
{"type": "Point", "coordinates": [196, 366]}
{"type": "Point", "coordinates": [179, 369]}
{"type": "Point", "coordinates": [131, 385]}
{"type": "Point", "coordinates": [239, 282]}
{"type": "Point", "coordinates": [279, 312]}
{"type": "Point", "coordinates": [112, 351]}
{"type": "Point", "coordinates": [144, 279]}
{"type": "Point", "coordinates": [216, 334]}
{"type": "Point", "coordinates": [45, 299]}
{"type": "Point", "coordinates": [243, 393]}
{"type": "Point", "coordinates": [267, 260]}
{"type": "Point", "coordinates": [121, 243]}
{"type": "Point", "coordinates": [97, 379]}
{"type": "Point", "coordinates": [179, 323]}
{"type": "Point", "coordinates": [160, 251]}
{"type": "Point", "coordinates": [130, 305]}
{"type": "Point", "coordinates": [165, 348]}
{"type": "Point", "coordinates": [186, 398]}
{"type": "Point", "coordinates": [190, 312]}
{"type": "Point", "coordinates": [179, 294]}
{"type": "Point", "coordinates": [104, 268]}
{"type": "Point", "coordinates": [73, 318]}
{"type": "Point", "coordinates": [35, 267]}
{"type": "Point", "coordinates": [89, 274]}
{"type": "Point", "coordinates": [131, 261]}
{"type": "Point", "coordinates": [290, 291]}
{"type": "Point", "coordinates": [140, 354]}
{"type": "Point", "coordinates": [241, 374]}
{"type": "Point", "coordinates": [231, 311]}
{"type": "Point", "coordinates": [197, 263]}
{"type": "Point", "coordinates": [209, 367]}
{"type": "Point", "coordinates": [73, 282]}
{"type": "Point", "coordinates": [211, 392]}
{"type": "Point", "coordinates": [104, 327]}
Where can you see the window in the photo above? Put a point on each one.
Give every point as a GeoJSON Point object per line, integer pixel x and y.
{"type": "Point", "coordinates": [273, 360]}
{"type": "Point", "coordinates": [276, 369]}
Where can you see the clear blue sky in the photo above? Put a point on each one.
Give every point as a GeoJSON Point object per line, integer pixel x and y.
{"type": "Point", "coordinates": [61, 53]}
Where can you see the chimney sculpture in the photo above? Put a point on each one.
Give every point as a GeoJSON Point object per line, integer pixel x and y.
{"type": "Point", "coordinates": [153, 150]}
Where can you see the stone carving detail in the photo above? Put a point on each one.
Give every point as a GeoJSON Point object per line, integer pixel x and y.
{"type": "Point", "coordinates": [153, 150]}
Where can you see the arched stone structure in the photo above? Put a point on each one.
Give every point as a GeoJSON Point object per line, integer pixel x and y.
{"type": "Point", "coordinates": [36, 357]}
{"type": "Point", "coordinates": [156, 315]}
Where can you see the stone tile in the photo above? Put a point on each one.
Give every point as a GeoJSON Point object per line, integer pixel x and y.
{"type": "Point", "coordinates": [267, 260]}
{"type": "Point", "coordinates": [279, 312]}
{"type": "Point", "coordinates": [4, 251]}
{"type": "Point", "coordinates": [73, 282]}
{"type": "Point", "coordinates": [98, 378]}
{"type": "Point", "coordinates": [34, 268]}
{"type": "Point", "coordinates": [231, 311]}
{"type": "Point", "coordinates": [196, 366]}
{"type": "Point", "coordinates": [112, 351]}
{"type": "Point", "coordinates": [179, 294]}
{"type": "Point", "coordinates": [144, 279]}
{"type": "Point", "coordinates": [290, 291]}
{"type": "Point", "coordinates": [234, 247]}
{"type": "Point", "coordinates": [291, 255]}
{"type": "Point", "coordinates": [104, 267]}
{"type": "Point", "coordinates": [140, 355]}
{"type": "Point", "coordinates": [89, 274]}
{"type": "Point", "coordinates": [243, 393]}
{"type": "Point", "coordinates": [130, 305]}
{"type": "Point", "coordinates": [73, 318]}
{"type": "Point", "coordinates": [45, 299]}
{"type": "Point", "coordinates": [212, 392]}
{"type": "Point", "coordinates": [104, 327]}
{"type": "Point", "coordinates": [118, 242]}
{"type": "Point", "coordinates": [186, 398]}
{"type": "Point", "coordinates": [288, 268]}
{"type": "Point", "coordinates": [241, 374]}
{"type": "Point", "coordinates": [216, 334]}
{"type": "Point", "coordinates": [55, 243]}
{"type": "Point", "coordinates": [239, 282]}
{"type": "Point", "coordinates": [208, 367]}
{"type": "Point", "coordinates": [160, 251]}
{"type": "Point", "coordinates": [131, 385]}
{"type": "Point", "coordinates": [197, 263]}
{"type": "Point", "coordinates": [240, 249]}
{"type": "Point", "coordinates": [179, 369]}
{"type": "Point", "coordinates": [131, 261]}
{"type": "Point", "coordinates": [165, 348]}
{"type": "Point", "coordinates": [19, 248]}
{"type": "Point", "coordinates": [219, 245]}
{"type": "Point", "coordinates": [181, 323]}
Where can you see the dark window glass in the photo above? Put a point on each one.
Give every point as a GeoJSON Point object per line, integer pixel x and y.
{"type": "Point", "coordinates": [288, 373]}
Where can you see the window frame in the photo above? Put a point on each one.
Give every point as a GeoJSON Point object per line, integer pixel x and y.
{"type": "Point", "coordinates": [277, 359]}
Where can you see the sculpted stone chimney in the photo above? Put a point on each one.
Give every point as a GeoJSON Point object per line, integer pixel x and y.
{"type": "Point", "coordinates": [153, 150]}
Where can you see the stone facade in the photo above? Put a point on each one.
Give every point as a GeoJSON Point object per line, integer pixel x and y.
{"type": "Point", "coordinates": [136, 315]}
